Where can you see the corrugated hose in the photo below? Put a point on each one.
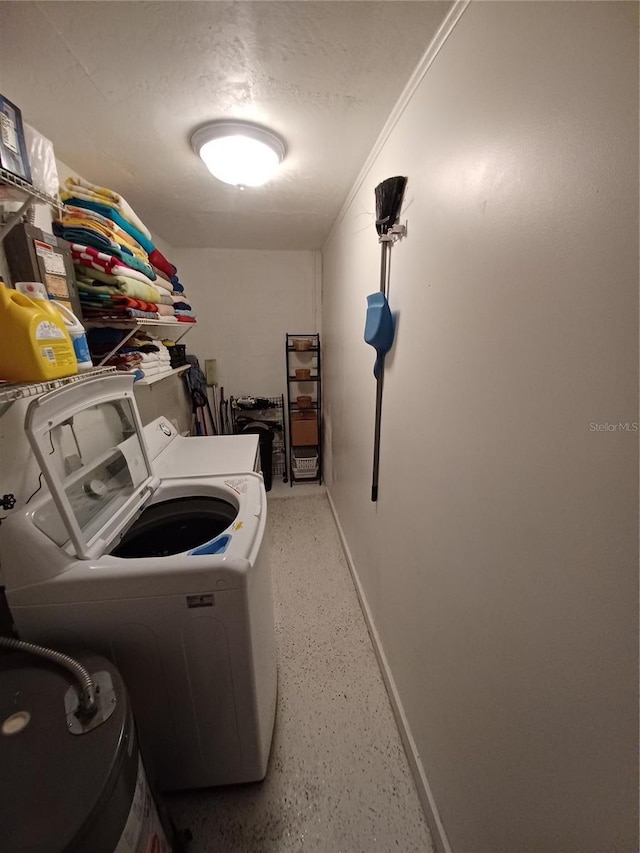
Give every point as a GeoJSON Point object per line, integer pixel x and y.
{"type": "Point", "coordinates": [87, 700]}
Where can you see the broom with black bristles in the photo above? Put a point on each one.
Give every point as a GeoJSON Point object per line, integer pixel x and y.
{"type": "Point", "coordinates": [379, 323]}
{"type": "Point", "coordinates": [389, 195]}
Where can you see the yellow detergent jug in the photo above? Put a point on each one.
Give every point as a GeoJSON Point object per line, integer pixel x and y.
{"type": "Point", "coordinates": [34, 343]}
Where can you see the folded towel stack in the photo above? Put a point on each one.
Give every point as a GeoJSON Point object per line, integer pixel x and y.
{"type": "Point", "coordinates": [120, 272]}
{"type": "Point", "coordinates": [142, 353]}
{"type": "Point", "coordinates": [111, 297]}
{"type": "Point", "coordinates": [175, 290]}
{"type": "Point", "coordinates": [155, 359]}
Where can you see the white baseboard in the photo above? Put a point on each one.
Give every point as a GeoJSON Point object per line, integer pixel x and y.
{"type": "Point", "coordinates": [425, 793]}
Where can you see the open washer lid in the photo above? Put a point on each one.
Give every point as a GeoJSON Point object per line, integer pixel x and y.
{"type": "Point", "coordinates": [89, 442]}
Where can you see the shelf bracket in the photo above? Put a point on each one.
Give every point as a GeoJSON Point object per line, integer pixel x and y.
{"type": "Point", "coordinates": [14, 218]}
{"type": "Point", "coordinates": [33, 196]}
{"type": "Point", "coordinates": [119, 345]}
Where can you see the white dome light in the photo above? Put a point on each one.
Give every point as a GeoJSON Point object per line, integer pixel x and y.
{"type": "Point", "coordinates": [239, 152]}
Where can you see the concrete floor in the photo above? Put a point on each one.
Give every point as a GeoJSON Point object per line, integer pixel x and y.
{"type": "Point", "coordinates": [338, 779]}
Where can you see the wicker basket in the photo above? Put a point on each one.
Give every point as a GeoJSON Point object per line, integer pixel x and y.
{"type": "Point", "coordinates": [302, 344]}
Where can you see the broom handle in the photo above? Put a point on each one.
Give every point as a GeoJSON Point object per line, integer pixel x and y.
{"type": "Point", "coordinates": [379, 384]}
{"type": "Point", "coordinates": [383, 267]}
{"type": "Point", "coordinates": [376, 438]}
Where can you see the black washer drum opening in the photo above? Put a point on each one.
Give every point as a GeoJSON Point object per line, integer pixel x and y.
{"type": "Point", "coordinates": [174, 526]}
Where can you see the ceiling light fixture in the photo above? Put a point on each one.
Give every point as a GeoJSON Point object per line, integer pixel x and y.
{"type": "Point", "coordinates": [239, 152]}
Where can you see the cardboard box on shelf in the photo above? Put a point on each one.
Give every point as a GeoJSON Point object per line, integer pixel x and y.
{"type": "Point", "coordinates": [33, 255]}
{"type": "Point", "coordinates": [304, 429]}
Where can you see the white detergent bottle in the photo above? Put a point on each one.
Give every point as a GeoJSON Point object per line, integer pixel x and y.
{"type": "Point", "coordinates": [78, 337]}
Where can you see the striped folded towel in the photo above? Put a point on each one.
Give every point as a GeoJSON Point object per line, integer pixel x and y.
{"type": "Point", "coordinates": [89, 256]}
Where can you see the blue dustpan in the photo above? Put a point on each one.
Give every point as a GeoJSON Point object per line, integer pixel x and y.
{"type": "Point", "coordinates": [378, 329]}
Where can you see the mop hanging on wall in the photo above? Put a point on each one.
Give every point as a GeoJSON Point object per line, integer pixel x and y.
{"type": "Point", "coordinates": [379, 330]}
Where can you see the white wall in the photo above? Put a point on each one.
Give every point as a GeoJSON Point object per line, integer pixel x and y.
{"type": "Point", "coordinates": [499, 565]}
{"type": "Point", "coordinates": [246, 301]}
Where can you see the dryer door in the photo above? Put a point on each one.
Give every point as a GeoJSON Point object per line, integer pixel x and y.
{"type": "Point", "coordinates": [88, 440]}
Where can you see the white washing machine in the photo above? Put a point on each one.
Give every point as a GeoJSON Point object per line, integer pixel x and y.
{"type": "Point", "coordinates": [166, 574]}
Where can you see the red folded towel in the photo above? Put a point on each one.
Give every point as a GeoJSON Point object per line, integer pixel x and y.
{"type": "Point", "coordinates": [158, 260]}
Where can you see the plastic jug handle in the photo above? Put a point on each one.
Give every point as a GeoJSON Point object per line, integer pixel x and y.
{"type": "Point", "coordinates": [19, 298]}
{"type": "Point", "coordinates": [66, 312]}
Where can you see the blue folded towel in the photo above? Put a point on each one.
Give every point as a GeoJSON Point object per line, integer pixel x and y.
{"type": "Point", "coordinates": [114, 216]}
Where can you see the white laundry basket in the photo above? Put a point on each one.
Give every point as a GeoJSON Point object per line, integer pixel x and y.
{"type": "Point", "coordinates": [305, 462]}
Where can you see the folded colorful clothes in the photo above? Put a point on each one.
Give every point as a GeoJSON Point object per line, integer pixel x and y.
{"type": "Point", "coordinates": [110, 213]}
{"type": "Point", "coordinates": [162, 283]}
{"type": "Point", "coordinates": [140, 304]}
{"type": "Point", "coordinates": [145, 315]}
{"type": "Point", "coordinates": [89, 256]}
{"type": "Point", "coordinates": [75, 215]}
{"type": "Point", "coordinates": [89, 237]}
{"type": "Point", "coordinates": [114, 313]}
{"type": "Point", "coordinates": [158, 260]}
{"type": "Point", "coordinates": [161, 274]}
{"type": "Point", "coordinates": [84, 240]}
{"type": "Point", "coordinates": [108, 197]}
{"type": "Point", "coordinates": [164, 298]}
{"type": "Point", "coordinates": [124, 362]}
{"type": "Point", "coordinates": [83, 235]}
{"type": "Point", "coordinates": [113, 236]}
{"type": "Point", "coordinates": [144, 291]}
{"type": "Point", "coordinates": [121, 284]}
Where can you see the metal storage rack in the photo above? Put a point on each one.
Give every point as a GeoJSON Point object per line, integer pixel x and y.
{"type": "Point", "coordinates": [269, 411]}
{"type": "Point", "coordinates": [304, 451]}
{"type": "Point", "coordinates": [28, 195]}
{"type": "Point", "coordinates": [12, 391]}
{"type": "Point", "coordinates": [175, 331]}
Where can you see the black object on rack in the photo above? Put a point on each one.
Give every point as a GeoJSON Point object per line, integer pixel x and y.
{"type": "Point", "coordinates": [264, 416]}
{"type": "Point", "coordinates": [197, 387]}
{"type": "Point", "coordinates": [304, 406]}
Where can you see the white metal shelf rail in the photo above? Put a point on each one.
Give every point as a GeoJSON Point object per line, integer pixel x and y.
{"type": "Point", "coordinates": [131, 326]}
{"type": "Point", "coordinates": [10, 391]}
{"type": "Point", "coordinates": [32, 195]}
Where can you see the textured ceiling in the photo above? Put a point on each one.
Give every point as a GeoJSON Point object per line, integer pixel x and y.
{"type": "Point", "coordinates": [119, 86]}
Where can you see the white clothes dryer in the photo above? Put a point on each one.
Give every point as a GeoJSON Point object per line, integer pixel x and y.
{"type": "Point", "coordinates": [168, 576]}
{"type": "Point", "coordinates": [175, 455]}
